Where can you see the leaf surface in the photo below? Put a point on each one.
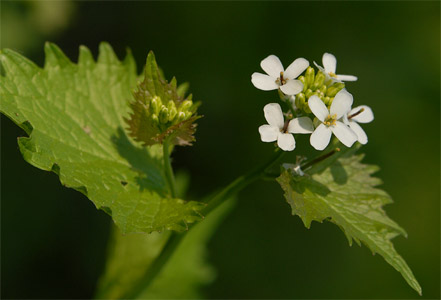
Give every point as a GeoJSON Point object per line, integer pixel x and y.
{"type": "Point", "coordinates": [345, 193]}
{"type": "Point", "coordinates": [181, 278]}
{"type": "Point", "coordinates": [74, 116]}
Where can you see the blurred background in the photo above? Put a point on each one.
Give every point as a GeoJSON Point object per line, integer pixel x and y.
{"type": "Point", "coordinates": [53, 239]}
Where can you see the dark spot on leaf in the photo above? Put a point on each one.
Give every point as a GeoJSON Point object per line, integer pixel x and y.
{"type": "Point", "coordinates": [107, 210]}
{"type": "Point", "coordinates": [27, 127]}
{"type": "Point", "coordinates": [82, 189]}
{"type": "Point", "coordinates": [124, 183]}
{"type": "Point", "coordinates": [56, 169]}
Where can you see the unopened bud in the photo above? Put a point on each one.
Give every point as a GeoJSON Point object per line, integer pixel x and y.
{"type": "Point", "coordinates": [188, 115]}
{"type": "Point", "coordinates": [309, 77]}
{"type": "Point", "coordinates": [323, 89]}
{"type": "Point", "coordinates": [172, 114]}
{"type": "Point", "coordinates": [319, 79]}
{"type": "Point", "coordinates": [308, 93]}
{"type": "Point", "coordinates": [300, 100]}
{"type": "Point", "coordinates": [303, 80]}
{"type": "Point", "coordinates": [155, 105]}
{"type": "Point", "coordinates": [327, 100]}
{"type": "Point", "coordinates": [172, 111]}
{"type": "Point", "coordinates": [163, 115]}
{"type": "Point", "coordinates": [155, 118]}
{"type": "Point", "coordinates": [185, 105]}
{"type": "Point", "coordinates": [171, 105]}
{"type": "Point", "coordinates": [180, 117]}
{"type": "Point", "coordinates": [334, 89]}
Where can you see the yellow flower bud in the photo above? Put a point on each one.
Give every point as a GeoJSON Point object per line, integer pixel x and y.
{"type": "Point", "coordinates": [180, 117]}
{"type": "Point", "coordinates": [185, 105]}
{"type": "Point", "coordinates": [155, 118]}
{"type": "Point", "coordinates": [155, 105]}
{"type": "Point", "coordinates": [300, 100]}
{"type": "Point", "coordinates": [163, 115]}
{"type": "Point", "coordinates": [334, 89]}
{"type": "Point", "coordinates": [303, 80]}
{"type": "Point", "coordinates": [309, 77]}
{"type": "Point", "coordinates": [319, 79]}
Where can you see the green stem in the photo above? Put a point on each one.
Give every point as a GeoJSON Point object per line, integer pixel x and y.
{"type": "Point", "coordinates": [241, 182]}
{"type": "Point", "coordinates": [157, 265]}
{"type": "Point", "coordinates": [175, 238]}
{"type": "Point", "coordinates": [168, 168]}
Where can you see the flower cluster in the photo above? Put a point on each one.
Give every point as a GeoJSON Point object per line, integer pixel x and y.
{"type": "Point", "coordinates": [317, 102]}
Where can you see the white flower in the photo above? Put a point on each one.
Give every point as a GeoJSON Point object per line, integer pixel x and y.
{"type": "Point", "coordinates": [330, 65]}
{"type": "Point", "coordinates": [322, 134]}
{"type": "Point", "coordinates": [281, 131]}
{"type": "Point", "coordinates": [278, 77]}
{"type": "Point", "coordinates": [359, 114]}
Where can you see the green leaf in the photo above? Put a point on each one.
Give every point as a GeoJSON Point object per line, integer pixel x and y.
{"type": "Point", "coordinates": [188, 270]}
{"type": "Point", "coordinates": [345, 194]}
{"type": "Point", "coordinates": [160, 110]}
{"type": "Point", "coordinates": [74, 116]}
{"type": "Point", "coordinates": [182, 277]}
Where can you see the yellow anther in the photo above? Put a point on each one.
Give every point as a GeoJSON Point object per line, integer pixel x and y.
{"type": "Point", "coordinates": [330, 120]}
{"type": "Point", "coordinates": [332, 75]}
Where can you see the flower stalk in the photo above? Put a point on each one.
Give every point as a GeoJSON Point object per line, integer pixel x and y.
{"type": "Point", "coordinates": [175, 238]}
{"type": "Point", "coordinates": [168, 168]}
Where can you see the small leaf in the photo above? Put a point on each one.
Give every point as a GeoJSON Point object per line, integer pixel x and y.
{"type": "Point", "coordinates": [160, 110]}
{"type": "Point", "coordinates": [74, 116]}
{"type": "Point", "coordinates": [345, 194]}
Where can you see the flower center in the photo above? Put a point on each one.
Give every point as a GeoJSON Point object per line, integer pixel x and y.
{"type": "Point", "coordinates": [332, 74]}
{"type": "Point", "coordinates": [281, 80]}
{"type": "Point", "coordinates": [330, 120]}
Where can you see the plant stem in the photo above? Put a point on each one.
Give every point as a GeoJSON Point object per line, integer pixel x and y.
{"type": "Point", "coordinates": [158, 264]}
{"type": "Point", "coordinates": [168, 168]}
{"type": "Point", "coordinates": [241, 182]}
{"type": "Point", "coordinates": [175, 238]}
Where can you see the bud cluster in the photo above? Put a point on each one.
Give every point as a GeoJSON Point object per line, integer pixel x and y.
{"type": "Point", "coordinates": [161, 110]}
{"type": "Point", "coordinates": [168, 114]}
{"type": "Point", "coordinates": [318, 85]}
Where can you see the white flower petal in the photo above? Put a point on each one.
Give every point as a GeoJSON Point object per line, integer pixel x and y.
{"type": "Point", "coordinates": [329, 62]}
{"type": "Point", "coordinates": [320, 137]}
{"type": "Point", "coordinates": [341, 104]}
{"type": "Point", "coordinates": [272, 66]}
{"type": "Point", "coordinates": [296, 68]}
{"type": "Point", "coordinates": [286, 141]}
{"type": "Point", "coordinates": [264, 82]}
{"type": "Point", "coordinates": [347, 77]}
{"type": "Point", "coordinates": [320, 67]}
{"type": "Point", "coordinates": [361, 135]}
{"type": "Point", "coordinates": [300, 125]}
{"type": "Point", "coordinates": [365, 116]}
{"type": "Point", "coordinates": [268, 133]}
{"type": "Point", "coordinates": [292, 87]}
{"type": "Point", "coordinates": [274, 115]}
{"type": "Point", "coordinates": [344, 134]}
{"type": "Point", "coordinates": [318, 108]}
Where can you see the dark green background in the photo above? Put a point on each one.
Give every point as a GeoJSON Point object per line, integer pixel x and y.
{"type": "Point", "coordinates": [53, 239]}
